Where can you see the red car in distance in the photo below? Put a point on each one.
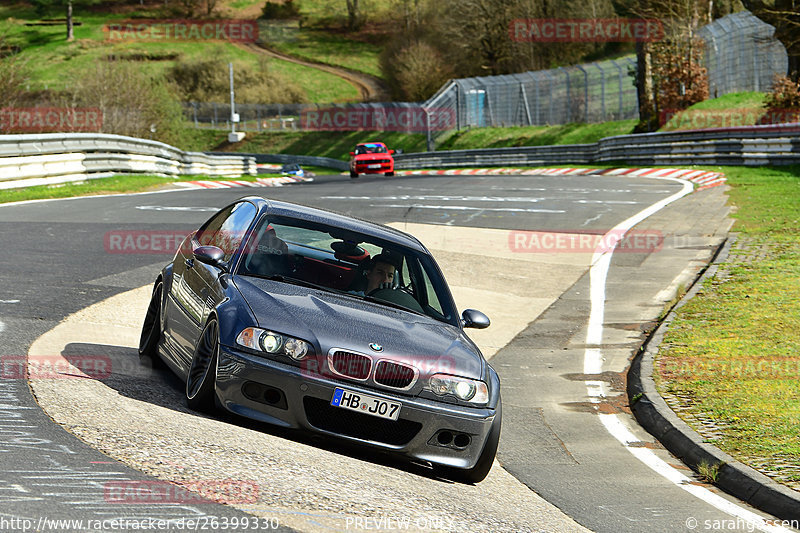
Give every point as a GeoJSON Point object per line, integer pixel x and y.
{"type": "Point", "coordinates": [371, 158]}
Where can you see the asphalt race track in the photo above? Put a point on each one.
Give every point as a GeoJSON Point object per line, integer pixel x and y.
{"type": "Point", "coordinates": [560, 405]}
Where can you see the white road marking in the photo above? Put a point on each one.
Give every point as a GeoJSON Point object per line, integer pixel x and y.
{"type": "Point", "coordinates": [9, 301]}
{"type": "Point", "coordinates": [623, 202]}
{"type": "Point", "coordinates": [593, 364]}
{"type": "Point", "coordinates": [175, 208]}
{"type": "Point", "coordinates": [2, 327]}
{"type": "Point", "coordinates": [469, 208]}
{"type": "Point", "coordinates": [519, 199]}
{"type": "Point", "coordinates": [526, 199]}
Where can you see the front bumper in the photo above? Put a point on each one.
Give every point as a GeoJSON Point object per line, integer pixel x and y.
{"type": "Point", "coordinates": [363, 167]}
{"type": "Point", "coordinates": [278, 393]}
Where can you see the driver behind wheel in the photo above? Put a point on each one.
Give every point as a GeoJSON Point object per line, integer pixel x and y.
{"type": "Point", "coordinates": [379, 274]}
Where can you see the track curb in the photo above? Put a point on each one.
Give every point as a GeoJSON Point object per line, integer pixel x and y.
{"type": "Point", "coordinates": [702, 178]}
{"type": "Point", "coordinates": [653, 413]}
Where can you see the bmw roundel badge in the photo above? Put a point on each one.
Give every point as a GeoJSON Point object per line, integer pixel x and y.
{"type": "Point", "coordinates": [376, 347]}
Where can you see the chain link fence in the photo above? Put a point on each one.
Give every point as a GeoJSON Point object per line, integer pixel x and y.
{"type": "Point", "coordinates": [252, 117]}
{"type": "Point", "coordinates": [741, 54]}
{"type": "Point", "coordinates": [593, 92]}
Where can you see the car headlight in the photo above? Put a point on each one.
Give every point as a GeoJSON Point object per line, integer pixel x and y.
{"type": "Point", "coordinates": [262, 340]}
{"type": "Point", "coordinates": [465, 389]}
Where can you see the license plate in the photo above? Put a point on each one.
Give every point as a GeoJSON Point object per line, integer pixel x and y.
{"type": "Point", "coordinates": [363, 403]}
{"type": "Point", "coordinates": [374, 165]}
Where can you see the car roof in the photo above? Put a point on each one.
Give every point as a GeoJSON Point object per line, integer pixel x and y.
{"type": "Point", "coordinates": [339, 220]}
{"type": "Point", "coordinates": [371, 144]}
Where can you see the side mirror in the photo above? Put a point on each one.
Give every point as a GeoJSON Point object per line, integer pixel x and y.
{"type": "Point", "coordinates": [211, 255]}
{"type": "Point", "coordinates": [391, 151]}
{"type": "Point", "coordinates": [472, 318]}
{"type": "Point", "coordinates": [352, 153]}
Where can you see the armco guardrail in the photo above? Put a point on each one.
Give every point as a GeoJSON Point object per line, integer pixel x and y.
{"type": "Point", "coordinates": [284, 159]}
{"type": "Point", "coordinates": [753, 145]}
{"type": "Point", "coordinates": [61, 157]}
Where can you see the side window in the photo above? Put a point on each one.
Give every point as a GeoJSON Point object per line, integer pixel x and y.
{"type": "Point", "coordinates": [422, 285]}
{"type": "Point", "coordinates": [227, 228]}
{"type": "Point", "coordinates": [433, 299]}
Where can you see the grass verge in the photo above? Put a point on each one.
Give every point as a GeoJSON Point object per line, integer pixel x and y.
{"type": "Point", "coordinates": [119, 184]}
{"type": "Point", "coordinates": [730, 362]}
{"type": "Point", "coordinates": [113, 185]}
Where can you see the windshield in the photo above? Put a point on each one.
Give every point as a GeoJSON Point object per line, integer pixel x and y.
{"type": "Point", "coordinates": [347, 263]}
{"type": "Point", "coordinates": [370, 149]}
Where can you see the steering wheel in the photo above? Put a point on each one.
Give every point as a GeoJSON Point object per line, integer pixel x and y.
{"type": "Point", "coordinates": [398, 297]}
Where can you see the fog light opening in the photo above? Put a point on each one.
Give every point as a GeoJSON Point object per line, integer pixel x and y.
{"type": "Point", "coordinates": [272, 396]}
{"type": "Point", "coordinates": [444, 438]}
{"type": "Point", "coordinates": [461, 440]}
{"type": "Point", "coordinates": [252, 390]}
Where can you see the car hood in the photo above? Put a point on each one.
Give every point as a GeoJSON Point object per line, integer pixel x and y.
{"type": "Point", "coordinates": [330, 320]}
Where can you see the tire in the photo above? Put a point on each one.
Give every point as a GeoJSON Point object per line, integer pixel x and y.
{"type": "Point", "coordinates": [478, 473]}
{"type": "Point", "coordinates": [390, 173]}
{"type": "Point", "coordinates": [201, 379]}
{"type": "Point", "coordinates": [353, 174]}
{"type": "Point", "coordinates": [151, 330]}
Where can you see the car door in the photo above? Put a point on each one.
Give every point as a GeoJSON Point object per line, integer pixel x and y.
{"type": "Point", "coordinates": [196, 288]}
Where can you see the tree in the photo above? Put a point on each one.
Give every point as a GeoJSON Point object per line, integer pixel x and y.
{"type": "Point", "coordinates": [13, 74]}
{"type": "Point", "coordinates": [784, 15]}
{"type": "Point", "coordinates": [131, 101]}
{"type": "Point", "coordinates": [680, 20]}
{"type": "Point", "coordinates": [354, 19]}
{"type": "Point", "coordinates": [419, 70]}
{"type": "Point", "coordinates": [48, 6]}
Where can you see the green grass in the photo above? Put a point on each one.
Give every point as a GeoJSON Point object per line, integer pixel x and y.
{"type": "Point", "coordinates": [55, 63]}
{"type": "Point", "coordinates": [735, 109]}
{"type": "Point", "coordinates": [733, 352]}
{"type": "Point", "coordinates": [321, 46]}
{"type": "Point", "coordinates": [535, 135]}
{"type": "Point", "coordinates": [113, 185]}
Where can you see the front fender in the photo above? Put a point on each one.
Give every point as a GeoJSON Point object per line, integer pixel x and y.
{"type": "Point", "coordinates": [233, 315]}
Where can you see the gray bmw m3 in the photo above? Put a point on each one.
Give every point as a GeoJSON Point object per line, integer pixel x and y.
{"type": "Point", "coordinates": [314, 320]}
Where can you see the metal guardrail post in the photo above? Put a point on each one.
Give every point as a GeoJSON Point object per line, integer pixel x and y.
{"type": "Point", "coordinates": [525, 101]}
{"type": "Point", "coordinates": [458, 107]}
{"type": "Point", "coordinates": [602, 92]}
{"type": "Point", "coordinates": [428, 137]}
{"type": "Point", "coordinates": [585, 93]}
